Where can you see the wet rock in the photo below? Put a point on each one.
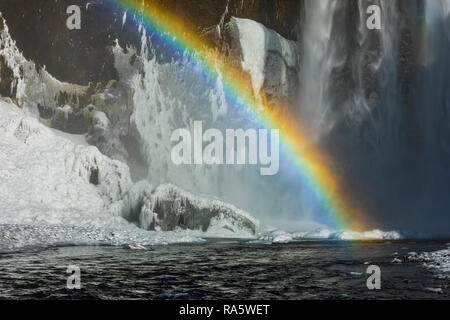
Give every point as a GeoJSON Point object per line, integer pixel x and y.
{"type": "Point", "coordinates": [68, 120]}
{"type": "Point", "coordinates": [45, 112]}
{"type": "Point", "coordinates": [111, 84]}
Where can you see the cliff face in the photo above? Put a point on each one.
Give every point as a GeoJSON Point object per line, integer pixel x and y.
{"type": "Point", "coordinates": [83, 56]}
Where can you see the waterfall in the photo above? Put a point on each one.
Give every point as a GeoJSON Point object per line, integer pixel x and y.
{"type": "Point", "coordinates": [360, 99]}
{"type": "Point", "coordinates": [387, 126]}
{"type": "Point", "coordinates": [331, 47]}
{"type": "Point", "coordinates": [320, 56]}
{"type": "Point", "coordinates": [433, 106]}
{"type": "Point", "coordinates": [435, 102]}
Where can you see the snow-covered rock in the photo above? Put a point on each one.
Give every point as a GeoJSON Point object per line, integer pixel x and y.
{"type": "Point", "coordinates": [270, 59]}
{"type": "Point", "coordinates": [168, 208]}
{"type": "Point", "coordinates": [178, 208]}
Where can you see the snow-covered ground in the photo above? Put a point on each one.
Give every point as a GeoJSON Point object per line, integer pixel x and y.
{"type": "Point", "coordinates": [46, 178]}
{"type": "Point", "coordinates": [55, 189]}
{"type": "Point", "coordinates": [15, 237]}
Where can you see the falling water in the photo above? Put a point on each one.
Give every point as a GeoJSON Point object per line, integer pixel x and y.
{"type": "Point", "coordinates": [381, 108]}
{"type": "Point", "coordinates": [320, 57]}
{"type": "Point", "coordinates": [433, 106]}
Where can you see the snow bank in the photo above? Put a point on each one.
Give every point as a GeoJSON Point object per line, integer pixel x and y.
{"type": "Point", "coordinates": [270, 59]}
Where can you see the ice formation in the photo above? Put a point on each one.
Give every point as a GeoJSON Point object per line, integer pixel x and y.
{"type": "Point", "coordinates": [33, 87]}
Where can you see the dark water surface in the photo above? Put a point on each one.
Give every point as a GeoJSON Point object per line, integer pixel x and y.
{"type": "Point", "coordinates": [223, 270]}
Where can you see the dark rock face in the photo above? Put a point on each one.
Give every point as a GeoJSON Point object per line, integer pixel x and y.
{"type": "Point", "coordinates": [7, 78]}
{"type": "Point", "coordinates": [76, 56]}
{"type": "Point", "coordinates": [83, 56]}
{"type": "Point", "coordinates": [279, 15]}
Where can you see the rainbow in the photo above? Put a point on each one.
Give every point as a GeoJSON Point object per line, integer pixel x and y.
{"type": "Point", "coordinates": [313, 165]}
